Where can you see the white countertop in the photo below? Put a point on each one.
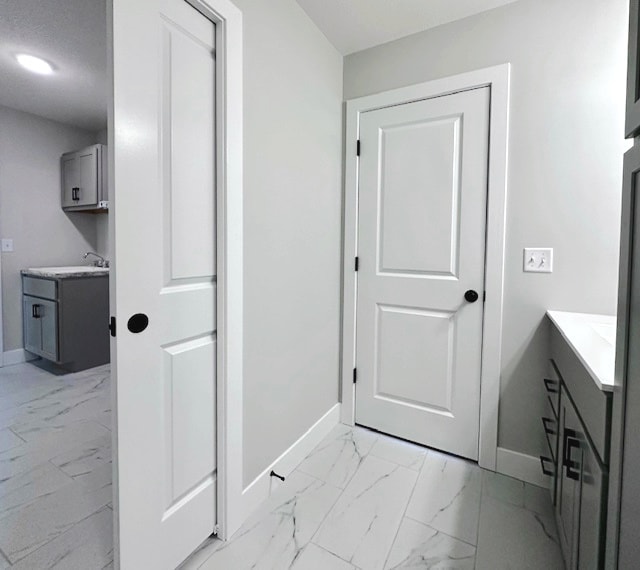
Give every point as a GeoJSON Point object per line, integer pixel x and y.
{"type": "Point", "coordinates": [62, 272]}
{"type": "Point", "coordinates": [593, 339]}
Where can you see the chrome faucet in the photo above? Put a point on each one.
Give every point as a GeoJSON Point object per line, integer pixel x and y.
{"type": "Point", "coordinates": [100, 262]}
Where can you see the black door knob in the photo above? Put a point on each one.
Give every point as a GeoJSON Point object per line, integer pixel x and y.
{"type": "Point", "coordinates": [471, 296]}
{"type": "Point", "coordinates": [138, 323]}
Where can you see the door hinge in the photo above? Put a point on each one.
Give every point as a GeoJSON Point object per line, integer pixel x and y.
{"type": "Point", "coordinates": [112, 326]}
{"type": "Point", "coordinates": [357, 263]}
{"type": "Point", "coordinates": [358, 148]}
{"type": "Point", "coordinates": [355, 375]}
{"type": "Point", "coordinates": [484, 296]}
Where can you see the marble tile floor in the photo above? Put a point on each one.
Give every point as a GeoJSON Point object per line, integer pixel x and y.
{"type": "Point", "coordinates": [360, 501]}
{"type": "Point", "coordinates": [55, 469]}
{"type": "Point", "coordinates": [365, 501]}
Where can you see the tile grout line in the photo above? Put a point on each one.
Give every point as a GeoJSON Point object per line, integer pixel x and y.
{"type": "Point", "coordinates": [442, 532]}
{"type": "Point", "coordinates": [404, 512]}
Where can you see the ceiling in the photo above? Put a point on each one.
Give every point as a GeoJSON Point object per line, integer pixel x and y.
{"type": "Point", "coordinates": [354, 25]}
{"type": "Point", "coordinates": [72, 36]}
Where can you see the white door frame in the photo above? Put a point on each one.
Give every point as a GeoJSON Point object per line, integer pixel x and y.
{"type": "Point", "coordinates": [497, 78]}
{"type": "Point", "coordinates": [229, 196]}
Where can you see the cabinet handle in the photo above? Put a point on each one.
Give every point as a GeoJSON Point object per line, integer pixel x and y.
{"type": "Point", "coordinates": [551, 385]}
{"type": "Point", "coordinates": [571, 442]}
{"type": "Point", "coordinates": [35, 311]}
{"type": "Point", "coordinates": [546, 471]}
{"type": "Point", "coordinates": [75, 193]}
{"type": "Point", "coordinates": [548, 430]}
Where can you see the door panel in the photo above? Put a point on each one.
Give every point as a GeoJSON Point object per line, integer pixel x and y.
{"type": "Point", "coordinates": [412, 218]}
{"type": "Point", "coordinates": [421, 244]}
{"type": "Point", "coordinates": [70, 179]}
{"type": "Point", "coordinates": [49, 322]}
{"type": "Point", "coordinates": [164, 155]}
{"type": "Point", "coordinates": [87, 165]}
{"type": "Point", "coordinates": [32, 327]}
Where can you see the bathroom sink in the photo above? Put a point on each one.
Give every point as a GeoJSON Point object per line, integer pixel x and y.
{"type": "Point", "coordinates": [606, 331]}
{"type": "Point", "coordinates": [69, 271]}
{"type": "Point", "coordinates": [73, 269]}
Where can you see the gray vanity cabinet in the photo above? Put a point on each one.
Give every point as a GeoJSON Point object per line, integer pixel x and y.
{"type": "Point", "coordinates": [84, 185]}
{"type": "Point", "coordinates": [577, 425]}
{"type": "Point", "coordinates": [40, 327]}
{"type": "Point", "coordinates": [65, 319]}
{"type": "Point", "coordinates": [581, 494]}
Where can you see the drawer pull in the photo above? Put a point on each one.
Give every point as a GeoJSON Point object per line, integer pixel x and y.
{"type": "Point", "coordinates": [571, 442]}
{"type": "Point", "coordinates": [551, 385]}
{"type": "Point", "coordinates": [545, 471]}
{"type": "Point", "coordinates": [549, 430]}
{"type": "Point", "coordinates": [35, 311]}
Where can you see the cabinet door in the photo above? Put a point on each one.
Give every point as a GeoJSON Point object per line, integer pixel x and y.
{"type": "Point", "coordinates": [87, 160]}
{"type": "Point", "coordinates": [48, 315]}
{"type": "Point", "coordinates": [592, 487]}
{"type": "Point", "coordinates": [70, 179]}
{"type": "Point", "coordinates": [632, 127]}
{"type": "Point", "coordinates": [32, 330]}
{"type": "Point", "coordinates": [568, 498]}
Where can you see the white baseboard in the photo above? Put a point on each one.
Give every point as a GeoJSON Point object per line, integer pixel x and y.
{"type": "Point", "coordinates": [17, 356]}
{"type": "Point", "coordinates": [263, 485]}
{"type": "Point", "coordinates": [520, 466]}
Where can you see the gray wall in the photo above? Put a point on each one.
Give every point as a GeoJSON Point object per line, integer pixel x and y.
{"type": "Point", "coordinates": [292, 205]}
{"type": "Point", "coordinates": [566, 143]}
{"type": "Point", "coordinates": [44, 235]}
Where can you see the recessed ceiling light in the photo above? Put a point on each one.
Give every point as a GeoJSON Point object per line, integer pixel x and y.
{"type": "Point", "coordinates": [34, 64]}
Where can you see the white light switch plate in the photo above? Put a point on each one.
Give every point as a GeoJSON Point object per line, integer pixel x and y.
{"type": "Point", "coordinates": [7, 245]}
{"type": "Point", "coordinates": [538, 259]}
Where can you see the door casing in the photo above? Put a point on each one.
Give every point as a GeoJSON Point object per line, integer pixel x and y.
{"type": "Point", "coordinates": [497, 78]}
{"type": "Point", "coordinates": [227, 18]}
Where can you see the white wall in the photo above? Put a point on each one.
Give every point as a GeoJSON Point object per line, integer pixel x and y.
{"type": "Point", "coordinates": [30, 213]}
{"type": "Point", "coordinates": [292, 222]}
{"type": "Point", "coordinates": [568, 67]}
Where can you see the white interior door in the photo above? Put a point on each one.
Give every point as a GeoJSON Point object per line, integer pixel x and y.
{"type": "Point", "coordinates": [421, 246]}
{"type": "Point", "coordinates": [165, 269]}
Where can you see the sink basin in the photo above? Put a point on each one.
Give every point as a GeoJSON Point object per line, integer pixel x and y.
{"type": "Point", "coordinates": [606, 331]}
{"type": "Point", "coordinates": [70, 269]}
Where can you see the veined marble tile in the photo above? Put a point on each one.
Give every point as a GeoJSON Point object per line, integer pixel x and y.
{"type": "Point", "coordinates": [538, 500]}
{"type": "Point", "coordinates": [513, 537]}
{"type": "Point", "coordinates": [503, 488]}
{"type": "Point", "coordinates": [398, 451]}
{"type": "Point", "coordinates": [61, 411]}
{"type": "Point", "coordinates": [315, 558]}
{"type": "Point", "coordinates": [420, 546]}
{"type": "Point", "coordinates": [85, 458]}
{"type": "Point", "coordinates": [447, 496]}
{"type": "Point", "coordinates": [54, 442]}
{"type": "Point", "coordinates": [359, 527]}
{"type": "Point", "coordinates": [24, 531]}
{"type": "Point", "coordinates": [275, 536]}
{"type": "Point", "coordinates": [98, 478]}
{"type": "Point", "coordinates": [87, 545]}
{"type": "Point", "coordinates": [18, 492]}
{"type": "Point", "coordinates": [338, 456]}
{"type": "Point", "coordinates": [8, 440]}
{"type": "Point", "coordinates": [204, 551]}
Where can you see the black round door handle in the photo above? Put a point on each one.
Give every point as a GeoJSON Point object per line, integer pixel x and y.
{"type": "Point", "coordinates": [138, 322]}
{"type": "Point", "coordinates": [471, 296]}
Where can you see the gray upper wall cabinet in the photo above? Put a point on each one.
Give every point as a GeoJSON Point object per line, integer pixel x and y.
{"type": "Point", "coordinates": [632, 127]}
{"type": "Point", "coordinates": [84, 179]}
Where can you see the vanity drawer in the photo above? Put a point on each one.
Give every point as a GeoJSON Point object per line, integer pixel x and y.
{"type": "Point", "coordinates": [552, 388]}
{"type": "Point", "coordinates": [550, 427]}
{"type": "Point", "coordinates": [593, 405]}
{"type": "Point", "coordinates": [43, 288]}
